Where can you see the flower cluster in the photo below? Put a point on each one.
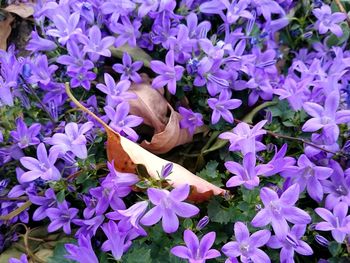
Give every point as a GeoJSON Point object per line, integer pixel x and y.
{"type": "Point", "coordinates": [256, 93]}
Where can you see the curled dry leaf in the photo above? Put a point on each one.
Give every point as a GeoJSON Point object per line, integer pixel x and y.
{"type": "Point", "coordinates": [5, 30]}
{"type": "Point", "coordinates": [24, 10]}
{"type": "Point", "coordinates": [153, 108]}
{"type": "Point", "coordinates": [127, 154]}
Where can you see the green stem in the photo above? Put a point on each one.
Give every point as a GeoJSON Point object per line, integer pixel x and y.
{"type": "Point", "coordinates": [16, 211]}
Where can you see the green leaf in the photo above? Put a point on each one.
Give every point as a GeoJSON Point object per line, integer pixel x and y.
{"type": "Point", "coordinates": [61, 196]}
{"type": "Point", "coordinates": [138, 254]}
{"type": "Point", "coordinates": [220, 214]}
{"type": "Point", "coordinates": [59, 253]}
{"type": "Point", "coordinates": [334, 247]}
{"type": "Point", "coordinates": [187, 223]}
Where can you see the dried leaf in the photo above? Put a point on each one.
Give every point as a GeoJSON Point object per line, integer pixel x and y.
{"type": "Point", "coordinates": [170, 137]}
{"type": "Point", "coordinates": [153, 108]}
{"type": "Point", "coordinates": [5, 30]}
{"type": "Point", "coordinates": [150, 105]}
{"type": "Point", "coordinates": [127, 155]}
{"type": "Point", "coordinates": [24, 10]}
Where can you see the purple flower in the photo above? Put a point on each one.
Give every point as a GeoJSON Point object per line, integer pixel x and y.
{"type": "Point", "coordinates": [202, 223]}
{"type": "Point", "coordinates": [169, 73]}
{"type": "Point", "coordinates": [338, 222]}
{"type": "Point", "coordinates": [169, 205]}
{"type": "Point", "coordinates": [326, 117]}
{"type": "Point", "coordinates": [196, 251]}
{"type": "Point", "coordinates": [279, 210]}
{"type": "Point", "coordinates": [279, 161]}
{"type": "Point", "coordinates": [43, 167]}
{"type": "Point", "coordinates": [23, 259]}
{"type": "Point", "coordinates": [247, 247]}
{"type": "Point", "coordinates": [73, 140]}
{"type": "Point", "coordinates": [37, 43]}
{"type": "Point", "coordinates": [121, 121]}
{"type": "Point", "coordinates": [326, 21]}
{"type": "Point", "coordinates": [62, 216]}
{"type": "Point", "coordinates": [116, 93]}
{"type": "Point", "coordinates": [129, 69]}
{"type": "Point", "coordinates": [41, 71]}
{"type": "Point", "coordinates": [267, 7]}
{"type": "Point", "coordinates": [25, 136]}
{"type": "Point", "coordinates": [127, 31]}
{"type": "Point", "coordinates": [83, 252]}
{"type": "Point", "coordinates": [246, 174]}
{"type": "Point", "coordinates": [308, 175]}
{"type": "Point", "coordinates": [44, 202]}
{"type": "Point", "coordinates": [88, 227]}
{"type": "Point", "coordinates": [338, 188]}
{"type": "Point", "coordinates": [244, 139]}
{"type": "Point", "coordinates": [190, 120]}
{"type": "Point", "coordinates": [119, 237]}
{"type": "Point", "coordinates": [131, 215]}
{"type": "Point", "coordinates": [96, 46]}
{"type": "Point", "coordinates": [235, 10]}
{"type": "Point", "coordinates": [65, 28]}
{"type": "Point", "coordinates": [6, 96]}
{"type": "Point", "coordinates": [113, 187]}
{"type": "Point", "coordinates": [146, 7]}
{"type": "Point", "coordinates": [222, 105]}
{"type": "Point", "coordinates": [166, 170]}
{"type": "Point", "coordinates": [117, 8]}
{"type": "Point", "coordinates": [81, 77]}
{"type": "Point", "coordinates": [75, 59]}
{"type": "Point", "coordinates": [290, 244]}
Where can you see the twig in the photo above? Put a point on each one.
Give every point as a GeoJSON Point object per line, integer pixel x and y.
{"type": "Point", "coordinates": [16, 211]}
{"type": "Point", "coordinates": [76, 174]}
{"type": "Point", "coordinates": [21, 198]}
{"type": "Point", "coordinates": [342, 9]}
{"type": "Point", "coordinates": [277, 135]}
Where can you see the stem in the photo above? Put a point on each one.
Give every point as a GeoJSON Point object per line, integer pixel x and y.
{"type": "Point", "coordinates": [21, 198]}
{"type": "Point", "coordinates": [249, 117]}
{"type": "Point", "coordinates": [16, 211]}
{"type": "Point", "coordinates": [86, 110]}
{"type": "Point", "coordinates": [342, 9]}
{"type": "Point", "coordinates": [76, 174]}
{"type": "Point", "coordinates": [38, 99]}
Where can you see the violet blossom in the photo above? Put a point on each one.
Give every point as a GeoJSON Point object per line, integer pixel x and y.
{"type": "Point", "coordinates": [190, 120]}
{"type": "Point", "coordinates": [168, 206]}
{"type": "Point", "coordinates": [43, 166]}
{"type": "Point", "coordinates": [121, 121]}
{"type": "Point", "coordinates": [129, 69]}
{"type": "Point", "coordinates": [116, 92]}
{"type": "Point", "coordinates": [337, 222]}
{"type": "Point", "coordinates": [62, 216]}
{"type": "Point", "coordinates": [278, 210]}
{"type": "Point", "coordinates": [196, 251]}
{"type": "Point", "coordinates": [326, 21]}
{"type": "Point", "coordinates": [291, 243]}
{"type": "Point", "coordinates": [25, 136]}
{"type": "Point", "coordinates": [37, 43]}
{"type": "Point", "coordinates": [83, 252]}
{"type": "Point", "coordinates": [168, 72]}
{"type": "Point", "coordinates": [221, 107]}
{"type": "Point", "coordinates": [246, 174]}
{"type": "Point", "coordinates": [246, 246]}
{"type": "Point", "coordinates": [44, 202]}
{"type": "Point", "coordinates": [127, 31]}
{"type": "Point", "coordinates": [73, 140]}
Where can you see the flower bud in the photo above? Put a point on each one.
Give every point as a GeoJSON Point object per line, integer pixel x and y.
{"type": "Point", "coordinates": [166, 170]}
{"type": "Point", "coordinates": [322, 240]}
{"type": "Point", "coordinates": [202, 223]}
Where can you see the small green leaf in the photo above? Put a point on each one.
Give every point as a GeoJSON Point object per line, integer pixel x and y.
{"type": "Point", "coordinates": [61, 196]}
{"type": "Point", "coordinates": [59, 254]}
{"type": "Point", "coordinates": [187, 223]}
{"type": "Point", "coordinates": [334, 247]}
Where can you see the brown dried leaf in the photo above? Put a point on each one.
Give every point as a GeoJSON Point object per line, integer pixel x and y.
{"type": "Point", "coordinates": [5, 30]}
{"type": "Point", "coordinates": [127, 154]}
{"type": "Point", "coordinates": [170, 137]}
{"type": "Point", "coordinates": [24, 10]}
{"type": "Point", "coordinates": [153, 108]}
{"type": "Point", "coordinates": [150, 105]}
